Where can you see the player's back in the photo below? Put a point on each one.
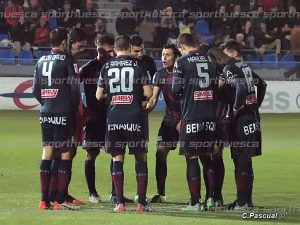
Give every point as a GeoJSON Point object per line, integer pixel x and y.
{"type": "Point", "coordinates": [124, 78]}
{"type": "Point", "coordinates": [200, 86]}
{"type": "Point", "coordinates": [55, 77]}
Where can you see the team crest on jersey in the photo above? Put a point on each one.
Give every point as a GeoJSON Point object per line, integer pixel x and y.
{"type": "Point", "coordinates": [122, 100]}
{"type": "Point", "coordinates": [229, 75]}
{"type": "Point", "coordinates": [49, 93]}
{"type": "Point", "coordinates": [203, 95]}
{"type": "Point", "coordinates": [251, 99]}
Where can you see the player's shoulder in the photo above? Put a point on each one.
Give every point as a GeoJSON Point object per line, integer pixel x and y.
{"type": "Point", "coordinates": [147, 59]}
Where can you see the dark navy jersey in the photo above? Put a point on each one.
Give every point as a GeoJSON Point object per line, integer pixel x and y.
{"type": "Point", "coordinates": [123, 79]}
{"type": "Point", "coordinates": [55, 84]}
{"type": "Point", "coordinates": [195, 82]}
{"type": "Point", "coordinates": [239, 77]}
{"type": "Point", "coordinates": [89, 75]}
{"type": "Point", "coordinates": [163, 80]}
{"type": "Point", "coordinates": [149, 65]}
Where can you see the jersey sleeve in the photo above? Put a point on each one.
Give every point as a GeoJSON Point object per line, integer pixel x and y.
{"type": "Point", "coordinates": [73, 81]}
{"type": "Point", "coordinates": [156, 81]}
{"type": "Point", "coordinates": [101, 81]}
{"type": "Point", "coordinates": [236, 81]}
{"type": "Point", "coordinates": [36, 88]}
{"type": "Point", "coordinates": [145, 76]}
{"type": "Point", "coordinates": [178, 79]}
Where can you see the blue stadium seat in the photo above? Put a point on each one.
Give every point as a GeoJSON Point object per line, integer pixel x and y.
{"type": "Point", "coordinates": [209, 39]}
{"type": "Point", "coordinates": [202, 28]}
{"type": "Point", "coordinates": [4, 36]}
{"type": "Point", "coordinates": [26, 58]}
{"type": "Point", "coordinates": [7, 57]}
{"type": "Point", "coordinates": [254, 61]}
{"type": "Point", "coordinates": [269, 61]}
{"type": "Point", "coordinates": [52, 23]}
{"type": "Point", "coordinates": [288, 62]}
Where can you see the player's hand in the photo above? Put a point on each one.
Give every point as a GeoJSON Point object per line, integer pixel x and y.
{"type": "Point", "coordinates": [148, 105]}
{"type": "Point", "coordinates": [178, 126]}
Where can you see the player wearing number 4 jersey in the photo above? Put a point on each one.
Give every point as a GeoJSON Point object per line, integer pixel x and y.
{"type": "Point", "coordinates": [125, 83]}
{"type": "Point", "coordinates": [57, 91]}
{"type": "Point", "coordinates": [195, 82]}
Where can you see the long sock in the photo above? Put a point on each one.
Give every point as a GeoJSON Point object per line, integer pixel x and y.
{"type": "Point", "coordinates": [250, 183]}
{"type": "Point", "coordinates": [141, 170]}
{"type": "Point", "coordinates": [90, 175]}
{"type": "Point", "coordinates": [193, 178]}
{"type": "Point", "coordinates": [70, 177]}
{"type": "Point", "coordinates": [161, 171]}
{"type": "Point", "coordinates": [241, 179]}
{"type": "Point", "coordinates": [64, 174]}
{"type": "Point", "coordinates": [118, 179]}
{"type": "Point", "coordinates": [45, 168]}
{"type": "Point", "coordinates": [113, 190]}
{"type": "Point", "coordinates": [219, 174]}
{"type": "Point", "coordinates": [54, 180]}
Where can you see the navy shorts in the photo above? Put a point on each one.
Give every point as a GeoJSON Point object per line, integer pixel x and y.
{"type": "Point", "coordinates": [119, 136]}
{"type": "Point", "coordinates": [57, 131]}
{"type": "Point", "coordinates": [94, 134]}
{"type": "Point", "coordinates": [246, 137]}
{"type": "Point", "coordinates": [168, 136]}
{"type": "Point", "coordinates": [197, 138]}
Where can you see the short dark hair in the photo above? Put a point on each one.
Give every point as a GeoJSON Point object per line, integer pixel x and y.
{"type": "Point", "coordinates": [136, 40]}
{"type": "Point", "coordinates": [76, 35]}
{"type": "Point", "coordinates": [174, 49]}
{"type": "Point", "coordinates": [122, 43]}
{"type": "Point", "coordinates": [233, 46]}
{"type": "Point", "coordinates": [186, 39]}
{"type": "Point", "coordinates": [57, 36]}
{"type": "Point", "coordinates": [105, 40]}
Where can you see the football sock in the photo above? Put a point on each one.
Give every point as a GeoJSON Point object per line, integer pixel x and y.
{"type": "Point", "coordinates": [193, 178]}
{"type": "Point", "coordinates": [64, 176]}
{"type": "Point", "coordinates": [209, 175]}
{"type": "Point", "coordinates": [118, 179]}
{"type": "Point", "coordinates": [141, 170]}
{"type": "Point", "coordinates": [241, 180]}
{"type": "Point", "coordinates": [70, 177]}
{"type": "Point", "coordinates": [113, 190]}
{"type": "Point", "coordinates": [250, 182]}
{"type": "Point", "coordinates": [219, 174]}
{"type": "Point", "coordinates": [54, 180]}
{"type": "Point", "coordinates": [161, 171]}
{"type": "Point", "coordinates": [89, 169]}
{"type": "Point", "coordinates": [45, 168]}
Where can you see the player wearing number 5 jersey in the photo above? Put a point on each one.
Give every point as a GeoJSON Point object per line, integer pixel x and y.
{"type": "Point", "coordinates": [195, 82]}
{"type": "Point", "coordinates": [125, 83]}
{"type": "Point", "coordinates": [57, 90]}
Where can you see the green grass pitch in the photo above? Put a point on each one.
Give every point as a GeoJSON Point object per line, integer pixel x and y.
{"type": "Point", "coordinates": [277, 179]}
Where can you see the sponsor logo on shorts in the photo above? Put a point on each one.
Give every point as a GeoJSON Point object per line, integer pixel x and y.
{"type": "Point", "coordinates": [128, 127]}
{"type": "Point", "coordinates": [251, 99]}
{"type": "Point", "coordinates": [203, 95]}
{"type": "Point", "coordinates": [122, 100]}
{"type": "Point", "coordinates": [56, 120]}
{"type": "Point", "coordinates": [197, 127]}
{"type": "Point", "coordinates": [251, 128]}
{"type": "Point", "coordinates": [49, 93]}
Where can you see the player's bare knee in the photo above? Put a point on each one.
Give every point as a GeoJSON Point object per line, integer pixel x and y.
{"type": "Point", "coordinates": [48, 153]}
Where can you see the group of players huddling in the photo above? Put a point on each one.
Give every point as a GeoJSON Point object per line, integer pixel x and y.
{"type": "Point", "coordinates": [211, 102]}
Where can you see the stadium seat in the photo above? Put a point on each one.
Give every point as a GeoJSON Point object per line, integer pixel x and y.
{"type": "Point", "coordinates": [52, 23]}
{"type": "Point", "coordinates": [254, 61]}
{"type": "Point", "coordinates": [287, 62]}
{"type": "Point", "coordinates": [209, 39]}
{"type": "Point", "coordinates": [26, 58]}
{"type": "Point", "coordinates": [7, 57]}
{"type": "Point", "coordinates": [202, 28]}
{"type": "Point", "coordinates": [270, 61]}
{"type": "Point", "coordinates": [4, 36]}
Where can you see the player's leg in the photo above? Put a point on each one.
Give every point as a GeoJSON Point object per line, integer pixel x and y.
{"type": "Point", "coordinates": [250, 184]}
{"type": "Point", "coordinates": [54, 178]}
{"type": "Point", "coordinates": [141, 169]}
{"type": "Point", "coordinates": [90, 173]}
{"type": "Point", "coordinates": [209, 176]}
{"type": "Point", "coordinates": [218, 164]}
{"type": "Point", "coordinates": [118, 180]}
{"type": "Point", "coordinates": [45, 168]}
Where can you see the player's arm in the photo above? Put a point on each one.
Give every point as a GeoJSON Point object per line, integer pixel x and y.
{"type": "Point", "coordinates": [261, 88]}
{"type": "Point", "coordinates": [177, 81]}
{"type": "Point", "coordinates": [101, 90]}
{"type": "Point", "coordinates": [73, 82]}
{"type": "Point", "coordinates": [36, 88]}
{"type": "Point", "coordinates": [146, 82]}
{"type": "Point", "coordinates": [240, 89]}
{"type": "Point", "coordinates": [156, 89]}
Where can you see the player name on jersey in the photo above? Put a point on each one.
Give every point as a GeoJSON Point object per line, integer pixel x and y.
{"type": "Point", "coordinates": [49, 93]}
{"type": "Point", "coordinates": [122, 100]}
{"type": "Point", "coordinates": [200, 58]}
{"type": "Point", "coordinates": [203, 95]}
{"type": "Point", "coordinates": [57, 120]}
{"type": "Point", "coordinates": [53, 57]}
{"type": "Point", "coordinates": [127, 126]}
{"type": "Point", "coordinates": [197, 127]}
